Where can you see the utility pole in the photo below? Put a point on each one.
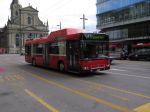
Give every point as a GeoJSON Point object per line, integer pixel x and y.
{"type": "Point", "coordinates": [20, 37]}
{"type": "Point", "coordinates": [84, 21]}
{"type": "Point", "coordinates": [59, 25]}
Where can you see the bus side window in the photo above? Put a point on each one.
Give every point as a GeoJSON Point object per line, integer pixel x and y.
{"type": "Point", "coordinates": [53, 49]}
{"type": "Point", "coordinates": [28, 50]}
{"type": "Point", "coordinates": [39, 48]}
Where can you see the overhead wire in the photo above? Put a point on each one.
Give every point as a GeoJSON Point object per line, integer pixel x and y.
{"type": "Point", "coordinates": [58, 6]}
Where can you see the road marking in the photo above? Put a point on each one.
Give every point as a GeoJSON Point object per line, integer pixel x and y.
{"type": "Point", "coordinates": [117, 69]}
{"type": "Point", "coordinates": [45, 104]}
{"type": "Point", "coordinates": [12, 78]}
{"type": "Point", "coordinates": [143, 108]}
{"type": "Point", "coordinates": [113, 88]}
{"type": "Point", "coordinates": [133, 68]}
{"type": "Point", "coordinates": [93, 98]}
{"type": "Point", "coordinates": [129, 75]}
{"type": "Point", "coordinates": [7, 78]}
{"type": "Point", "coordinates": [120, 97]}
{"type": "Point", "coordinates": [110, 87]}
{"type": "Point", "coordinates": [95, 88]}
{"type": "Point", "coordinates": [19, 77]}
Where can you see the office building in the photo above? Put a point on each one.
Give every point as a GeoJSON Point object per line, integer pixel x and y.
{"type": "Point", "coordinates": [127, 22]}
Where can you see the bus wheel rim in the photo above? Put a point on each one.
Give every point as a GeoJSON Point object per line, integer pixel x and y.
{"type": "Point", "coordinates": [61, 67]}
{"type": "Point", "coordinates": [34, 62]}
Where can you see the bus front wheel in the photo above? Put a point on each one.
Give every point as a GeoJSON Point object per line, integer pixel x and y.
{"type": "Point", "coordinates": [61, 67]}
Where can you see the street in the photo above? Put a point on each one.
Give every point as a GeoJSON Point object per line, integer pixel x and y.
{"type": "Point", "coordinates": [25, 88]}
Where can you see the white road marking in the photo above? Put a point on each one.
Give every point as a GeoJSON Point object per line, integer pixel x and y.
{"type": "Point", "coordinates": [117, 69]}
{"type": "Point", "coordinates": [134, 68]}
{"type": "Point", "coordinates": [129, 75]}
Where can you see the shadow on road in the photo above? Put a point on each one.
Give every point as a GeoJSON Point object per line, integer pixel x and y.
{"type": "Point", "coordinates": [47, 71]}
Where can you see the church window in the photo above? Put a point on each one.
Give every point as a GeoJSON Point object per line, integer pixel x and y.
{"type": "Point", "coordinates": [29, 20]}
{"type": "Point", "coordinates": [30, 35]}
{"type": "Point", "coordinates": [17, 40]}
{"type": "Point", "coordinates": [16, 13]}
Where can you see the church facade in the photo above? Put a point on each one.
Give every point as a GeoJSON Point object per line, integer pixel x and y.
{"type": "Point", "coordinates": [24, 23]}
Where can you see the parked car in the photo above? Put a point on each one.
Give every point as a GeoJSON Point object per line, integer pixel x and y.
{"type": "Point", "coordinates": [142, 54]}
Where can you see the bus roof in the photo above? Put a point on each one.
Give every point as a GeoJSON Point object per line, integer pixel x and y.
{"type": "Point", "coordinates": [60, 35]}
{"type": "Point", "coordinates": [64, 34]}
{"type": "Point", "coordinates": [37, 40]}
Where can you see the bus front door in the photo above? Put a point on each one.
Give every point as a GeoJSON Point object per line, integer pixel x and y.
{"type": "Point", "coordinates": [73, 55]}
{"type": "Point", "coordinates": [46, 55]}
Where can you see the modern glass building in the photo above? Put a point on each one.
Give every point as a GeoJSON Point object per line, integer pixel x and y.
{"type": "Point", "coordinates": [127, 22]}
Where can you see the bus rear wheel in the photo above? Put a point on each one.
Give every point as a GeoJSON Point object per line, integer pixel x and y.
{"type": "Point", "coordinates": [33, 62]}
{"type": "Point", "coordinates": [61, 67]}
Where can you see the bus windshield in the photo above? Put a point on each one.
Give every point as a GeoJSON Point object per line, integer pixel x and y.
{"type": "Point", "coordinates": [93, 50]}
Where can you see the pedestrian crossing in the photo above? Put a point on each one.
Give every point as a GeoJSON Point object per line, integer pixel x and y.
{"type": "Point", "coordinates": [8, 78]}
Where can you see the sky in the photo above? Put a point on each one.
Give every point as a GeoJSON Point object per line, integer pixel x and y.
{"type": "Point", "coordinates": [68, 12]}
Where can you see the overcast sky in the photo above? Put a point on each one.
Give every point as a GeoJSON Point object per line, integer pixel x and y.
{"type": "Point", "coordinates": [68, 12]}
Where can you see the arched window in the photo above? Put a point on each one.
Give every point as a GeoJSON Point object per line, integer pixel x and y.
{"type": "Point", "coordinates": [29, 20]}
{"type": "Point", "coordinates": [30, 35]}
{"type": "Point", "coordinates": [16, 13]}
{"type": "Point", "coordinates": [17, 40]}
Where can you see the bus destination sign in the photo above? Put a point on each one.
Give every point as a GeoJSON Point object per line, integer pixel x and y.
{"type": "Point", "coordinates": [94, 37]}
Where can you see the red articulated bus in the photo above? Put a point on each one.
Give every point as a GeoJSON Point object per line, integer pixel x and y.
{"type": "Point", "coordinates": [69, 50]}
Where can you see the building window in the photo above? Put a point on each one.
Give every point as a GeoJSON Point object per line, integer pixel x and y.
{"type": "Point", "coordinates": [17, 40]}
{"type": "Point", "coordinates": [16, 13]}
{"type": "Point", "coordinates": [29, 20]}
{"type": "Point", "coordinates": [41, 35]}
{"type": "Point", "coordinates": [30, 35]}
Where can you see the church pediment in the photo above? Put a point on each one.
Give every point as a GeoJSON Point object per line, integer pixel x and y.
{"type": "Point", "coordinates": [29, 8]}
{"type": "Point", "coordinates": [30, 28]}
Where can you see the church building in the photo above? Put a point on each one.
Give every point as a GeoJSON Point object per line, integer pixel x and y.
{"type": "Point", "coordinates": [24, 23]}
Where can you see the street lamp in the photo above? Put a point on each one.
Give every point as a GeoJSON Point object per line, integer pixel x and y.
{"type": "Point", "coordinates": [20, 40]}
{"type": "Point", "coordinates": [59, 25]}
{"type": "Point", "coordinates": [84, 21]}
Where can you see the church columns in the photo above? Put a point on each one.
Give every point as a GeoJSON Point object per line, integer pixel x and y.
{"type": "Point", "coordinates": [12, 43]}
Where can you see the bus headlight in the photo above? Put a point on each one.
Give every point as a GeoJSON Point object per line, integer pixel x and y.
{"type": "Point", "coordinates": [108, 65]}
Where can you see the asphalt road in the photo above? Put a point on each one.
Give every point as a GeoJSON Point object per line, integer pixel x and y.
{"type": "Point", "coordinates": [25, 88]}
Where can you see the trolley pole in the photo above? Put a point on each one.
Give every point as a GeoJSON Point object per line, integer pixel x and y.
{"type": "Point", "coordinates": [84, 21]}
